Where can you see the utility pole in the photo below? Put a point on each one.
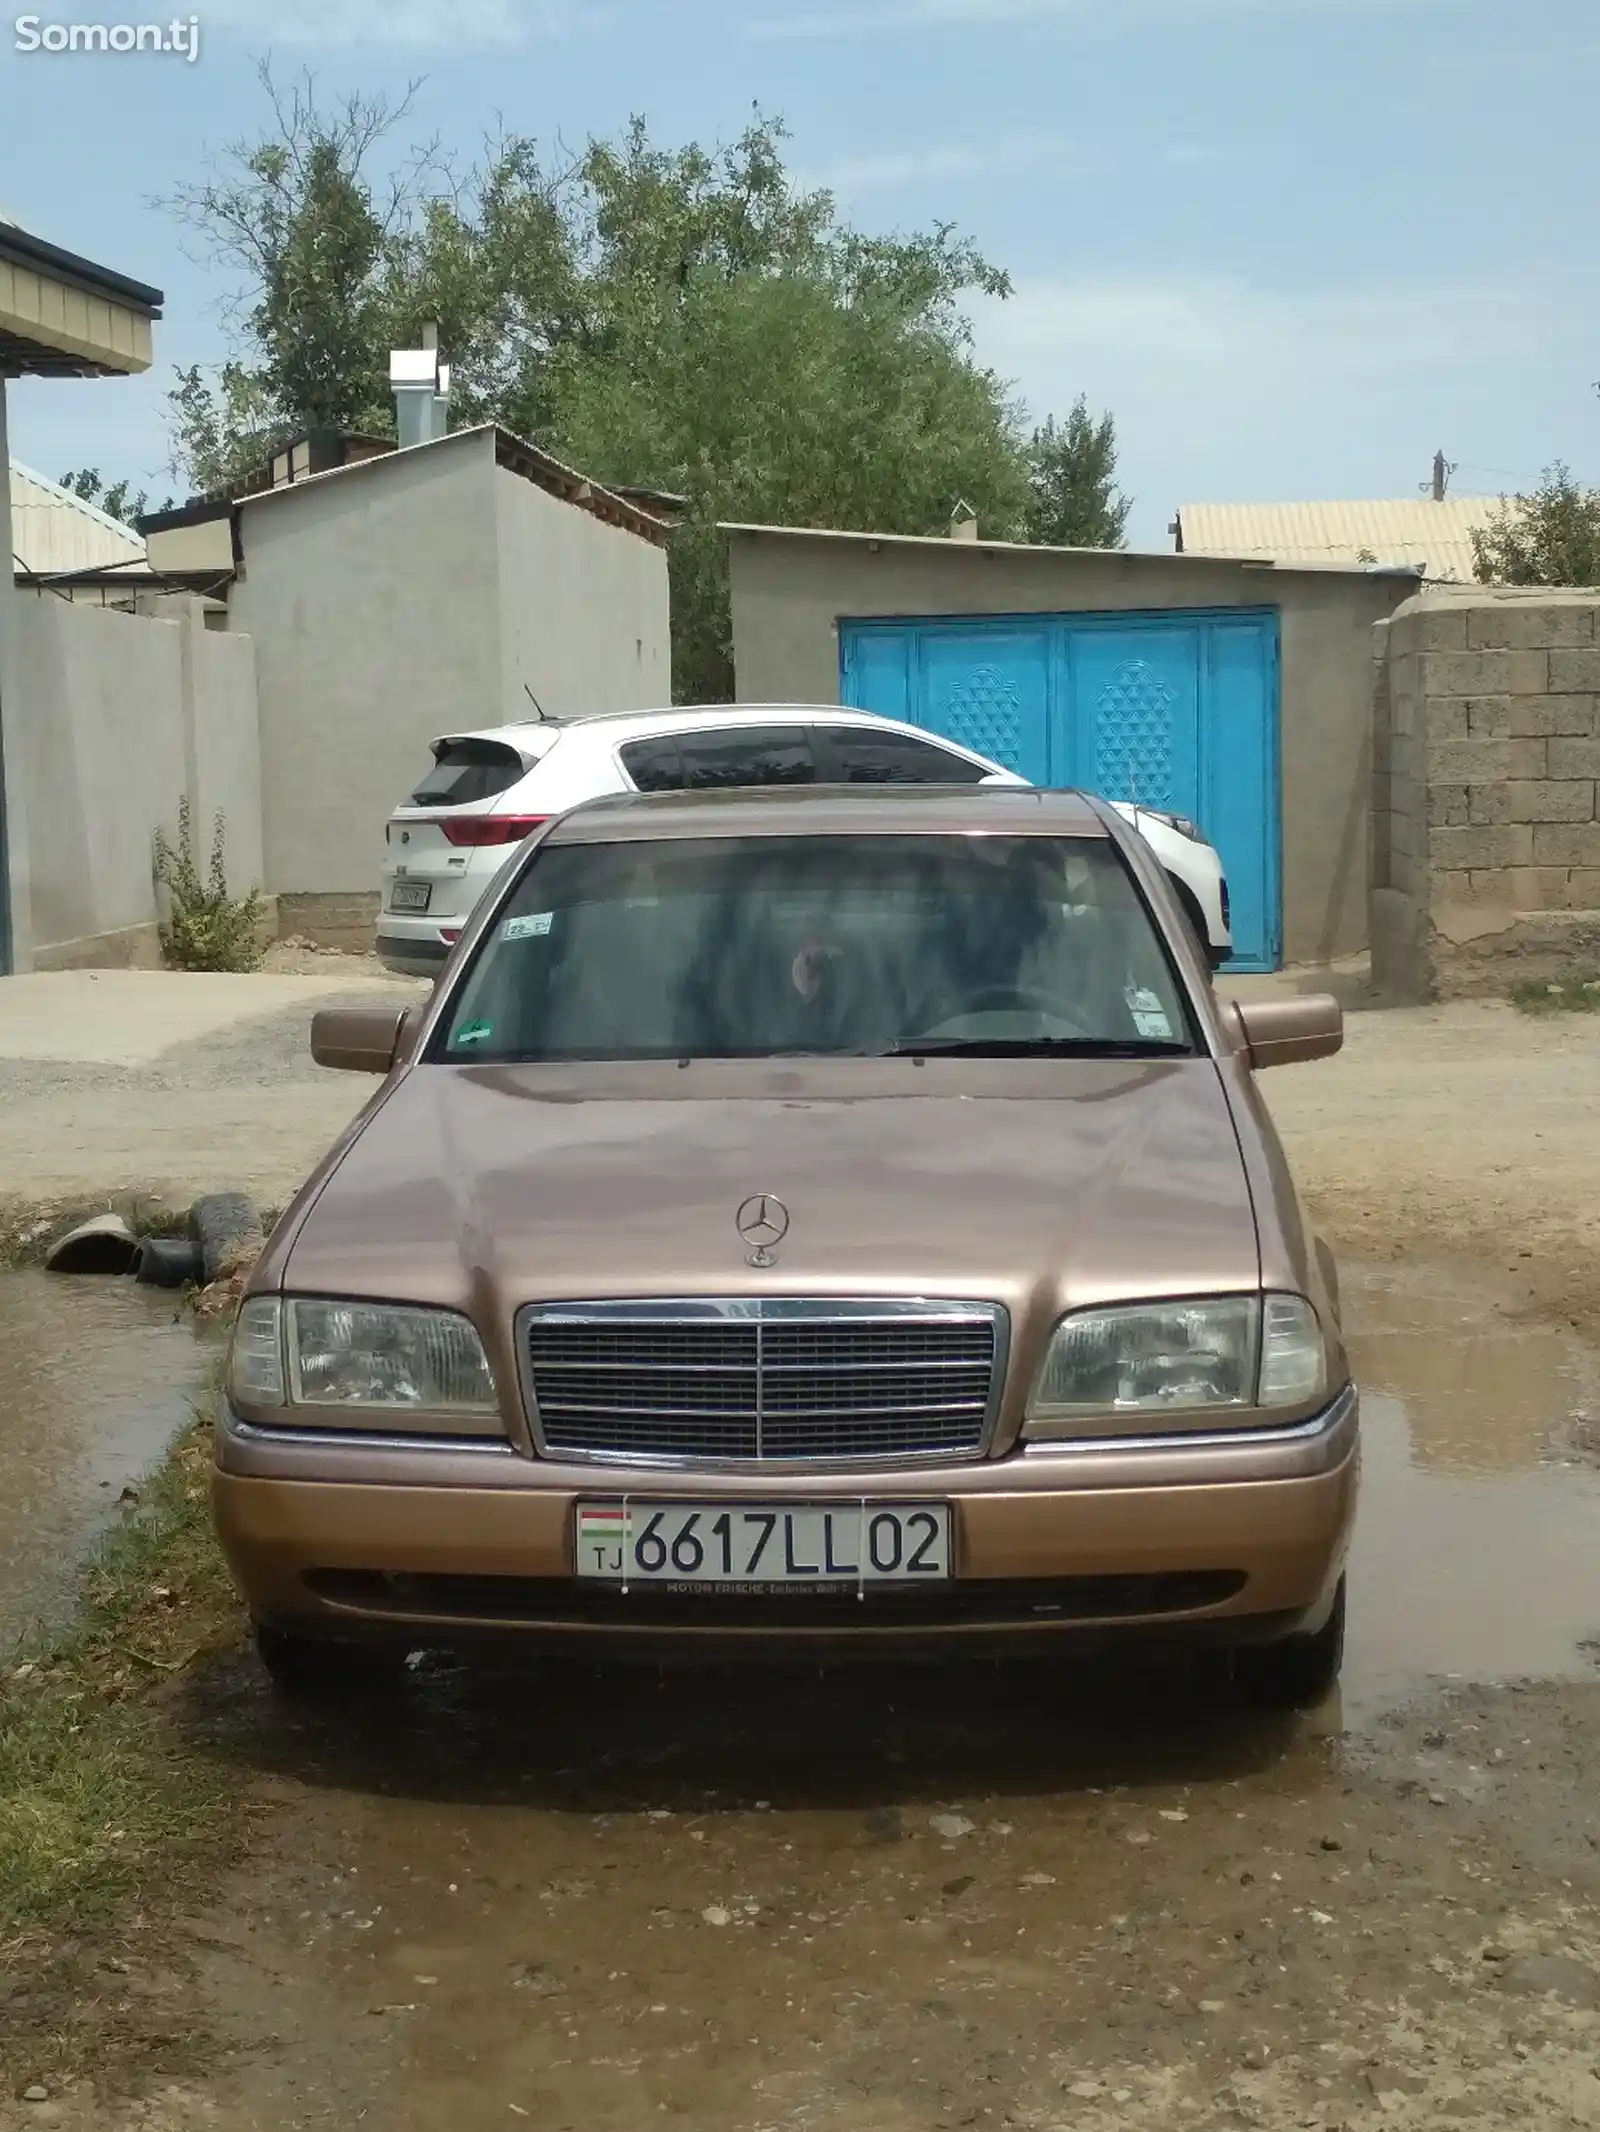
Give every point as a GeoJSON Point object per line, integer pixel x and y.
{"type": "Point", "coordinates": [1441, 476]}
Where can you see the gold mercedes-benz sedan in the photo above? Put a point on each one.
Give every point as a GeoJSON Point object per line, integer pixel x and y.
{"type": "Point", "coordinates": [822, 1220]}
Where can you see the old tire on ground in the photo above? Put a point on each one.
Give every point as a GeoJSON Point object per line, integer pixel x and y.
{"type": "Point", "coordinates": [1296, 1673]}
{"type": "Point", "coordinates": [166, 1262]}
{"type": "Point", "coordinates": [313, 1668]}
{"type": "Point", "coordinates": [228, 1225]}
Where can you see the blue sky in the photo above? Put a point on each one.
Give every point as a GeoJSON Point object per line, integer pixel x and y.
{"type": "Point", "coordinates": [1294, 245]}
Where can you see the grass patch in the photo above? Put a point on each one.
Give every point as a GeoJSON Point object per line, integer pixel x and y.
{"type": "Point", "coordinates": [1569, 995]}
{"type": "Point", "coordinates": [102, 1799]}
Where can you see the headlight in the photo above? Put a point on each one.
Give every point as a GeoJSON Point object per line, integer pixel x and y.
{"type": "Point", "coordinates": [1156, 1358]}
{"type": "Point", "coordinates": [255, 1367]}
{"type": "Point", "coordinates": [1180, 822]}
{"type": "Point", "coordinates": [375, 1355]}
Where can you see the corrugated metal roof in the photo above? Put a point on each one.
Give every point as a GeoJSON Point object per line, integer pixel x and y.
{"type": "Point", "coordinates": [51, 529]}
{"type": "Point", "coordinates": [1433, 536]}
{"type": "Point", "coordinates": [1129, 557]}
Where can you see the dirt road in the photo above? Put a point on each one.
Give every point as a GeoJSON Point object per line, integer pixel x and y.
{"type": "Point", "coordinates": [1072, 1898]}
{"type": "Point", "coordinates": [236, 1103]}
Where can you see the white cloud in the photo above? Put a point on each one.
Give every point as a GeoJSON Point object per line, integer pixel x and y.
{"type": "Point", "coordinates": [440, 26]}
{"type": "Point", "coordinates": [888, 15]}
{"type": "Point", "coordinates": [1224, 390]}
{"type": "Point", "coordinates": [876, 170]}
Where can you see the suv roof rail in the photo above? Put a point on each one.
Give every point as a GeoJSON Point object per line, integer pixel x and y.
{"type": "Point", "coordinates": [678, 710]}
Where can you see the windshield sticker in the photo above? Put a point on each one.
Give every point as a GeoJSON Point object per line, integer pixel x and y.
{"type": "Point", "coordinates": [532, 927]}
{"type": "Point", "coordinates": [473, 1033]}
{"type": "Point", "coordinates": [1149, 1016]}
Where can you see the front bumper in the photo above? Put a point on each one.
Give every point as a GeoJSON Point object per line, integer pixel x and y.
{"type": "Point", "coordinates": [1226, 1535]}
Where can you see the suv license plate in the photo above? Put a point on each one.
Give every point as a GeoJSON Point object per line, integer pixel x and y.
{"type": "Point", "coordinates": [410, 895]}
{"type": "Point", "coordinates": [762, 1544]}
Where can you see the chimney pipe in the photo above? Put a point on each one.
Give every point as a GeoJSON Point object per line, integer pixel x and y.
{"type": "Point", "coordinates": [421, 387]}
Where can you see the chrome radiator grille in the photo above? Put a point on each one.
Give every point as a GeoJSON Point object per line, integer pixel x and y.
{"type": "Point", "coordinates": [746, 1381]}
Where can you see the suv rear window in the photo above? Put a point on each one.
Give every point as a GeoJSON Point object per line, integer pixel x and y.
{"type": "Point", "coordinates": [468, 770]}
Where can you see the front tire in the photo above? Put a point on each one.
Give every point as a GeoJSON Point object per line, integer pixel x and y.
{"type": "Point", "coordinates": [1297, 1672]}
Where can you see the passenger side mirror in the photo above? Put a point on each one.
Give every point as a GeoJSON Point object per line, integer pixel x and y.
{"type": "Point", "coordinates": [1283, 1032]}
{"type": "Point", "coordinates": [361, 1039]}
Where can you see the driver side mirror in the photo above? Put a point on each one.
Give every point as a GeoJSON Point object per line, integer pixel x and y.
{"type": "Point", "coordinates": [1284, 1032]}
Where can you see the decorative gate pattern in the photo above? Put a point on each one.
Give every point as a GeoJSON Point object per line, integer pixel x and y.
{"type": "Point", "coordinates": [1133, 736]}
{"type": "Point", "coordinates": [984, 711]}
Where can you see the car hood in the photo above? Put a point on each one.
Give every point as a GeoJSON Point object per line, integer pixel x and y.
{"type": "Point", "coordinates": [1045, 1186]}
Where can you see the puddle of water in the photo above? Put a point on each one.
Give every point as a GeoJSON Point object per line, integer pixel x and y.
{"type": "Point", "coordinates": [96, 1378]}
{"type": "Point", "coordinates": [1477, 1551]}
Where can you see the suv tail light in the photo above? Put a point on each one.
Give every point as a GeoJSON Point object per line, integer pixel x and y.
{"type": "Point", "coordinates": [477, 830]}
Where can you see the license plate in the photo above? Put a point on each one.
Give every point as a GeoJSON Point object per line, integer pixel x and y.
{"type": "Point", "coordinates": [410, 895]}
{"type": "Point", "coordinates": [760, 1545]}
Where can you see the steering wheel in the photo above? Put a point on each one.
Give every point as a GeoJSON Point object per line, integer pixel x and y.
{"type": "Point", "coordinates": [997, 999]}
{"type": "Point", "coordinates": [1020, 1000]}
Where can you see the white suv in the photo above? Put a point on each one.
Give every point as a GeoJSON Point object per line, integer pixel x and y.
{"type": "Point", "coordinates": [488, 790]}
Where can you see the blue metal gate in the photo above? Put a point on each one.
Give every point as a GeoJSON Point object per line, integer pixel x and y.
{"type": "Point", "coordinates": [1177, 711]}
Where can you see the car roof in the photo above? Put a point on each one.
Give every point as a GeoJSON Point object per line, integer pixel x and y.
{"type": "Point", "coordinates": [710, 714]}
{"type": "Point", "coordinates": [832, 810]}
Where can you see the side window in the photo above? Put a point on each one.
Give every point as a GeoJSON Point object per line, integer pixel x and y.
{"type": "Point", "coordinates": [747, 755]}
{"type": "Point", "coordinates": [654, 765]}
{"type": "Point", "coordinates": [863, 757]}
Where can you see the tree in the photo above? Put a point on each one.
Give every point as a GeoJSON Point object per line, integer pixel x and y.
{"type": "Point", "coordinates": [1072, 500]}
{"type": "Point", "coordinates": [117, 501]}
{"type": "Point", "coordinates": [685, 320]}
{"type": "Point", "coordinates": [1549, 538]}
{"type": "Point", "coordinates": [319, 241]}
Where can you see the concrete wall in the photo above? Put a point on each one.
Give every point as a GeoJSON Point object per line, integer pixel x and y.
{"type": "Point", "coordinates": [223, 741]}
{"type": "Point", "coordinates": [397, 600]}
{"type": "Point", "coordinates": [1486, 749]}
{"type": "Point", "coordinates": [791, 590]}
{"type": "Point", "coordinates": [13, 829]}
{"type": "Point", "coordinates": [114, 718]}
{"type": "Point", "coordinates": [584, 619]}
{"type": "Point", "coordinates": [371, 598]}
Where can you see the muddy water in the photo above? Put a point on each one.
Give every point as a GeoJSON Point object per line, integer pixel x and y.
{"type": "Point", "coordinates": [968, 1896]}
{"type": "Point", "coordinates": [1478, 1549]}
{"type": "Point", "coordinates": [96, 1377]}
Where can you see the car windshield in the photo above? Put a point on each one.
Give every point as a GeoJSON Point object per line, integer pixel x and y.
{"type": "Point", "coordinates": [826, 946]}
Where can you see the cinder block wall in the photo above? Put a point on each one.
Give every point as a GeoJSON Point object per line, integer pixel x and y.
{"type": "Point", "coordinates": [1486, 763]}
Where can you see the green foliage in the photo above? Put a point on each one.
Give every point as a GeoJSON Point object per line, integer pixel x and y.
{"type": "Point", "coordinates": [100, 1799]}
{"type": "Point", "coordinates": [224, 426]}
{"type": "Point", "coordinates": [1549, 538]}
{"type": "Point", "coordinates": [1073, 501]}
{"type": "Point", "coordinates": [205, 928]}
{"type": "Point", "coordinates": [1572, 995]}
{"type": "Point", "coordinates": [686, 320]}
{"type": "Point", "coordinates": [117, 501]}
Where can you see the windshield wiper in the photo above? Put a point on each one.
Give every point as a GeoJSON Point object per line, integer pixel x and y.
{"type": "Point", "coordinates": [1038, 1047]}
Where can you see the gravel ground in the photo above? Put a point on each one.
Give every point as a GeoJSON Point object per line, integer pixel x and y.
{"type": "Point", "coordinates": [246, 1108]}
